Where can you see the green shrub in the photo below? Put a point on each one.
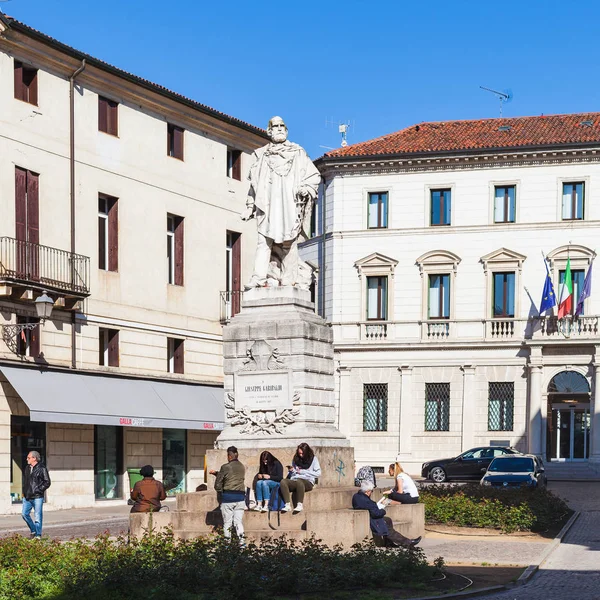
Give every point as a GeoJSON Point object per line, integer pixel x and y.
{"type": "Point", "coordinates": [508, 510]}
{"type": "Point", "coordinates": [158, 566]}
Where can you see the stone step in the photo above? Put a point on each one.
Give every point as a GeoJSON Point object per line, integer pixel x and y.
{"type": "Point", "coordinates": [253, 521]}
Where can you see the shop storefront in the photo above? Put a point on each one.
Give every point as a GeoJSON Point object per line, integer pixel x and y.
{"type": "Point", "coordinates": [25, 436]}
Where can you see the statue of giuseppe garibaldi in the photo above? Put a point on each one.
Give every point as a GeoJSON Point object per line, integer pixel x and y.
{"type": "Point", "coordinates": [283, 189]}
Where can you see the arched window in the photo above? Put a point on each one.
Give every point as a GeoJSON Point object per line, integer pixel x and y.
{"type": "Point", "coordinates": [569, 382]}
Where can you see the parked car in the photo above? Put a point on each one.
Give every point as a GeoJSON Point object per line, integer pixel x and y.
{"type": "Point", "coordinates": [526, 470]}
{"type": "Point", "coordinates": [468, 465]}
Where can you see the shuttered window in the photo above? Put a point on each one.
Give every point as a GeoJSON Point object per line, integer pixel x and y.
{"type": "Point", "coordinates": [28, 341]}
{"type": "Point", "coordinates": [27, 223]}
{"type": "Point", "coordinates": [108, 233]}
{"type": "Point", "coordinates": [175, 354]}
{"type": "Point", "coordinates": [26, 83]}
{"type": "Point", "coordinates": [108, 116]}
{"type": "Point", "coordinates": [108, 346]}
{"type": "Point", "coordinates": [175, 250]}
{"type": "Point", "coordinates": [234, 164]}
{"type": "Point", "coordinates": [175, 141]}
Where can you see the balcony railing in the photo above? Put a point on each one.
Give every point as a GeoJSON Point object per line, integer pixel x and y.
{"type": "Point", "coordinates": [29, 264]}
{"type": "Point", "coordinates": [231, 302]}
{"type": "Point", "coordinates": [467, 330]}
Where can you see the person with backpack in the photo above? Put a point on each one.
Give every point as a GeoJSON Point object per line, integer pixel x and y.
{"type": "Point", "coordinates": [302, 476]}
{"type": "Point", "coordinates": [270, 473]}
{"type": "Point", "coordinates": [365, 473]}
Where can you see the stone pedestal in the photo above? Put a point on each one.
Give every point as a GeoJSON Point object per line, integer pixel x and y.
{"type": "Point", "coordinates": [279, 374]}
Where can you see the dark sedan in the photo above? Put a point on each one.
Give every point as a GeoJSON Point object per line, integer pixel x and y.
{"type": "Point", "coordinates": [471, 464]}
{"type": "Point", "coordinates": [515, 471]}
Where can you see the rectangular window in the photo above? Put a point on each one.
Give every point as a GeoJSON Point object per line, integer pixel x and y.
{"type": "Point", "coordinates": [572, 201]}
{"type": "Point", "coordinates": [175, 250]}
{"type": "Point", "coordinates": [504, 204]}
{"type": "Point", "coordinates": [375, 405]}
{"type": "Point", "coordinates": [437, 407]}
{"type": "Point", "coordinates": [234, 164]}
{"type": "Point", "coordinates": [378, 210]}
{"type": "Point", "coordinates": [27, 224]}
{"type": "Point", "coordinates": [108, 461]}
{"type": "Point", "coordinates": [501, 406]}
{"type": "Point", "coordinates": [28, 341]}
{"type": "Point", "coordinates": [174, 141]}
{"type": "Point", "coordinates": [504, 295]}
{"type": "Point", "coordinates": [441, 205]}
{"type": "Point", "coordinates": [578, 277]}
{"type": "Point", "coordinates": [108, 347]}
{"type": "Point", "coordinates": [175, 355]}
{"type": "Point", "coordinates": [439, 297]}
{"type": "Point", "coordinates": [108, 233]}
{"type": "Point", "coordinates": [108, 116]}
{"type": "Point", "coordinates": [25, 436]}
{"type": "Point", "coordinates": [377, 298]}
{"type": "Point", "coordinates": [174, 460]}
{"type": "Point", "coordinates": [26, 83]}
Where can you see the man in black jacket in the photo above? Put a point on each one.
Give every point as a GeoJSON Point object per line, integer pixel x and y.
{"type": "Point", "coordinates": [35, 482]}
{"type": "Point", "coordinates": [380, 524]}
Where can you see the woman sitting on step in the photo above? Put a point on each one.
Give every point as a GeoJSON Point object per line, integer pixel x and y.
{"type": "Point", "coordinates": [270, 473]}
{"type": "Point", "coordinates": [303, 473]}
{"type": "Point", "coordinates": [405, 491]}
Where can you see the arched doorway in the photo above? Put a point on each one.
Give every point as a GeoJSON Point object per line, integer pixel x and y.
{"type": "Point", "coordinates": [568, 436]}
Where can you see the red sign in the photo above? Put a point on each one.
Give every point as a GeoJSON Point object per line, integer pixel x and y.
{"type": "Point", "coordinates": [209, 425]}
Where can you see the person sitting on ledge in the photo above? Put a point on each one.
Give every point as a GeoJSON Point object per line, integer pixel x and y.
{"type": "Point", "coordinates": [148, 493]}
{"type": "Point", "coordinates": [404, 491]}
{"type": "Point", "coordinates": [270, 473]}
{"type": "Point", "coordinates": [303, 473]}
{"type": "Point", "coordinates": [380, 524]}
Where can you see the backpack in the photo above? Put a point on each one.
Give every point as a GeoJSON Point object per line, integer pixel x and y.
{"type": "Point", "coordinates": [365, 474]}
{"type": "Point", "coordinates": [276, 503]}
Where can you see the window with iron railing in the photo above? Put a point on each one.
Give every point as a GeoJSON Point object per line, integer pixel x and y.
{"type": "Point", "coordinates": [375, 406]}
{"type": "Point", "coordinates": [437, 407]}
{"type": "Point", "coordinates": [501, 406]}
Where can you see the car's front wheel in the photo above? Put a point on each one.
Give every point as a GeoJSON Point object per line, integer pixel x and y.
{"type": "Point", "coordinates": [437, 474]}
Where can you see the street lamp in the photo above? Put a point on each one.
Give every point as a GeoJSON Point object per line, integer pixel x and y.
{"type": "Point", "coordinates": [10, 332]}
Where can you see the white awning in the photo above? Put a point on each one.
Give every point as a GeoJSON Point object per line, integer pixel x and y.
{"type": "Point", "coordinates": [62, 397]}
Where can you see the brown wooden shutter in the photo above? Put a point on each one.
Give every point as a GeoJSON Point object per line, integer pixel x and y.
{"type": "Point", "coordinates": [21, 203]}
{"type": "Point", "coordinates": [33, 224]}
{"type": "Point", "coordinates": [179, 250]}
{"type": "Point", "coordinates": [113, 117]}
{"type": "Point", "coordinates": [178, 142]}
{"type": "Point", "coordinates": [34, 342]}
{"type": "Point", "coordinates": [30, 77]}
{"type": "Point", "coordinates": [236, 170]}
{"type": "Point", "coordinates": [178, 363]}
{"type": "Point", "coordinates": [19, 95]}
{"type": "Point", "coordinates": [113, 348]}
{"type": "Point", "coordinates": [102, 114]}
{"type": "Point", "coordinates": [236, 273]}
{"type": "Point", "coordinates": [113, 234]}
{"type": "Point", "coordinates": [169, 139]}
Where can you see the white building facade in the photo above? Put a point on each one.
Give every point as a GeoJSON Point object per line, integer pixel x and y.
{"type": "Point", "coordinates": [429, 245]}
{"type": "Point", "coordinates": [120, 200]}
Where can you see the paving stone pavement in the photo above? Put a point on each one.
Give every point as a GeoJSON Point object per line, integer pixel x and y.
{"type": "Point", "coordinates": [573, 570]}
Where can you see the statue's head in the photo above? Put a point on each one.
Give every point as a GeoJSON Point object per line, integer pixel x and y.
{"type": "Point", "coordinates": [277, 130]}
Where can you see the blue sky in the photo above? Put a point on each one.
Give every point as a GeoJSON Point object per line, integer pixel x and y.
{"type": "Point", "coordinates": [382, 65]}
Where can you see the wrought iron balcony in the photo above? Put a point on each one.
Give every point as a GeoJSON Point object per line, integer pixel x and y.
{"type": "Point", "coordinates": [24, 264]}
{"type": "Point", "coordinates": [231, 302]}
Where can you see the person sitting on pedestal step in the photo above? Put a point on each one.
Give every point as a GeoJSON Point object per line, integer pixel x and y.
{"type": "Point", "coordinates": [270, 473]}
{"type": "Point", "coordinates": [303, 473]}
{"type": "Point", "coordinates": [404, 491]}
{"type": "Point", "coordinates": [148, 493]}
{"type": "Point", "coordinates": [380, 524]}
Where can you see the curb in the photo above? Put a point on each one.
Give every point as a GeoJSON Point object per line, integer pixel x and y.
{"type": "Point", "coordinates": [70, 524]}
{"type": "Point", "coordinates": [525, 576]}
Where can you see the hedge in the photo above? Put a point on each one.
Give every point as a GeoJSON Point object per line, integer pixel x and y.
{"type": "Point", "coordinates": [158, 566]}
{"type": "Point", "coordinates": [507, 510]}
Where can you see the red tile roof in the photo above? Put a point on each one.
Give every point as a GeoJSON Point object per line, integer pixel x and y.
{"type": "Point", "coordinates": [481, 134]}
{"type": "Point", "coordinates": [17, 25]}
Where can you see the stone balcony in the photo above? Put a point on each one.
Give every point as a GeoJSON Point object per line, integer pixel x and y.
{"type": "Point", "coordinates": [444, 331]}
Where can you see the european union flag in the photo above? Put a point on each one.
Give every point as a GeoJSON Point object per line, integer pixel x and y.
{"type": "Point", "coordinates": [548, 295]}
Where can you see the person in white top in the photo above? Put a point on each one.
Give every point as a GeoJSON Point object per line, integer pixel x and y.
{"type": "Point", "coordinates": [405, 491]}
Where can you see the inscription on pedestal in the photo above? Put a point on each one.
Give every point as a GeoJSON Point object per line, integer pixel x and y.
{"type": "Point", "coordinates": [263, 390]}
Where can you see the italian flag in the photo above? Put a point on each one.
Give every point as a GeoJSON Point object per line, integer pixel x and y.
{"type": "Point", "coordinates": [565, 303]}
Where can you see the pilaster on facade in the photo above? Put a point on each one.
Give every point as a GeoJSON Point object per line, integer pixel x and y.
{"type": "Point", "coordinates": [406, 412]}
{"type": "Point", "coordinates": [536, 421]}
{"type": "Point", "coordinates": [344, 405]}
{"type": "Point", "coordinates": [468, 407]}
{"type": "Point", "coordinates": [595, 408]}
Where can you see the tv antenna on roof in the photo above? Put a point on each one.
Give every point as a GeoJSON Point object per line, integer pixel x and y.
{"type": "Point", "coordinates": [505, 96]}
{"type": "Point", "coordinates": [343, 129]}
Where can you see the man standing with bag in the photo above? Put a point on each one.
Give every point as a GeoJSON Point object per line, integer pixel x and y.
{"type": "Point", "coordinates": [35, 482]}
{"type": "Point", "coordinates": [230, 484]}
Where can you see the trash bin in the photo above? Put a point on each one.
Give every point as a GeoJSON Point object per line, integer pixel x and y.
{"type": "Point", "coordinates": [134, 477]}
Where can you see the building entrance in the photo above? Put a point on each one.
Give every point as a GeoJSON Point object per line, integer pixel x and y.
{"type": "Point", "coordinates": [568, 417]}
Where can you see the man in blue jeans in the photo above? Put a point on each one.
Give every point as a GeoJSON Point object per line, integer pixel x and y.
{"type": "Point", "coordinates": [35, 482]}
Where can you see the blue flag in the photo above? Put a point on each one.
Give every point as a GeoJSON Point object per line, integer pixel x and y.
{"type": "Point", "coordinates": [586, 292]}
{"type": "Point", "coordinates": [548, 295]}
